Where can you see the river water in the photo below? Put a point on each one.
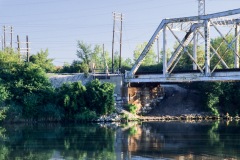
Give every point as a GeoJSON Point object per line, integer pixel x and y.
{"type": "Point", "coordinates": [143, 141]}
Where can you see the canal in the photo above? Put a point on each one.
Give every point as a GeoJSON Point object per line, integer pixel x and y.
{"type": "Point", "coordinates": [131, 141]}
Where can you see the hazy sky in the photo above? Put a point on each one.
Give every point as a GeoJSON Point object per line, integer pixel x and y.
{"type": "Point", "coordinates": [56, 25]}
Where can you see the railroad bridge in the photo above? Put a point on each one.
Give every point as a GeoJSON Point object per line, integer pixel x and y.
{"type": "Point", "coordinates": [196, 31]}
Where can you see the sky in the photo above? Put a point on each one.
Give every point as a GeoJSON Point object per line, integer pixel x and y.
{"type": "Point", "coordinates": [57, 25]}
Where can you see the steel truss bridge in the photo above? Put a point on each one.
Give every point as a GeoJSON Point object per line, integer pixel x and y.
{"type": "Point", "coordinates": [196, 31]}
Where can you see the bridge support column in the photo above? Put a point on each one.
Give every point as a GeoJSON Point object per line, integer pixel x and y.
{"type": "Point", "coordinates": [207, 47]}
{"type": "Point", "coordinates": [195, 41]}
{"type": "Point", "coordinates": [164, 52]}
{"type": "Point", "coordinates": [236, 55]}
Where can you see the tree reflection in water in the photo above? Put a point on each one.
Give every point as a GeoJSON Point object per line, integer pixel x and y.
{"type": "Point", "coordinates": [43, 142]}
{"type": "Point", "coordinates": [153, 140]}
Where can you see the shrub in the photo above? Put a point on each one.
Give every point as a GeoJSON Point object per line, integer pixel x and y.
{"type": "Point", "coordinates": [71, 97]}
{"type": "Point", "coordinates": [85, 115]}
{"type": "Point", "coordinates": [99, 97]}
{"type": "Point", "coordinates": [51, 112]}
{"type": "Point", "coordinates": [131, 108]}
{"type": "Point", "coordinates": [3, 113]}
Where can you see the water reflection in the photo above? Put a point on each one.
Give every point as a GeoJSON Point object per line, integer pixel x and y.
{"type": "Point", "coordinates": [178, 140]}
{"type": "Point", "coordinates": [153, 140]}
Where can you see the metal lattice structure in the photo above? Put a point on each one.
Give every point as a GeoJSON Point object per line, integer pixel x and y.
{"type": "Point", "coordinates": [201, 7]}
{"type": "Point", "coordinates": [189, 27]}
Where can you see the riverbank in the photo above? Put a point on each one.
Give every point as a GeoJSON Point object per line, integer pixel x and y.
{"type": "Point", "coordinates": [122, 115]}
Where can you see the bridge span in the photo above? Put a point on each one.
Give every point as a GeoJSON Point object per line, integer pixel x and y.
{"type": "Point", "coordinates": [192, 34]}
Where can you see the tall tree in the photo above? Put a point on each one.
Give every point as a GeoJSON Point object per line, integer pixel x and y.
{"type": "Point", "coordinates": [127, 62]}
{"type": "Point", "coordinates": [84, 52]}
{"type": "Point", "coordinates": [150, 58]}
{"type": "Point", "coordinates": [41, 59]}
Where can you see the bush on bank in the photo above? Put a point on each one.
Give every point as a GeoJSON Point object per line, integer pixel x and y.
{"type": "Point", "coordinates": [27, 94]}
{"type": "Point", "coordinates": [218, 97]}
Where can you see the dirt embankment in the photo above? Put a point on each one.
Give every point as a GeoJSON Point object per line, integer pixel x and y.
{"type": "Point", "coordinates": [177, 101]}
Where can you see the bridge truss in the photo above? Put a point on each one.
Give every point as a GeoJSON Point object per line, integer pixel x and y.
{"type": "Point", "coordinates": [197, 32]}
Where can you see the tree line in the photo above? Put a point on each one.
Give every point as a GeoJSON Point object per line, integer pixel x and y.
{"type": "Point", "coordinates": [27, 94]}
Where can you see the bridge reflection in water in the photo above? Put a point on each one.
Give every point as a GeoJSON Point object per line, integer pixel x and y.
{"type": "Point", "coordinates": [179, 140]}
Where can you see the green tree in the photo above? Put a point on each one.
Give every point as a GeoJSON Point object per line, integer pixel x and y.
{"type": "Point", "coordinates": [127, 62]}
{"type": "Point", "coordinates": [94, 58]}
{"type": "Point", "coordinates": [185, 62]}
{"type": "Point", "coordinates": [66, 68]}
{"type": "Point", "coordinates": [71, 96]}
{"type": "Point", "coordinates": [150, 58]}
{"type": "Point", "coordinates": [4, 94]}
{"type": "Point", "coordinates": [31, 89]}
{"type": "Point", "coordinates": [42, 60]}
{"type": "Point", "coordinates": [222, 48]}
{"type": "Point", "coordinates": [84, 52]}
{"type": "Point", "coordinates": [27, 84]}
{"type": "Point", "coordinates": [98, 58]}
{"type": "Point", "coordinates": [102, 100]}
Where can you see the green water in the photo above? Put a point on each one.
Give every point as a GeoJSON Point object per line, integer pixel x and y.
{"type": "Point", "coordinates": [144, 141]}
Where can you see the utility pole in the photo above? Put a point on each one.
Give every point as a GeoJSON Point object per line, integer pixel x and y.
{"type": "Point", "coordinates": [27, 44]}
{"type": "Point", "coordinates": [23, 50]}
{"type": "Point", "coordinates": [7, 30]}
{"type": "Point", "coordinates": [120, 56]}
{"type": "Point", "coordinates": [113, 40]}
{"type": "Point", "coordinates": [117, 17]}
{"type": "Point", "coordinates": [105, 62]}
{"type": "Point", "coordinates": [11, 36]}
{"type": "Point", "coordinates": [4, 37]}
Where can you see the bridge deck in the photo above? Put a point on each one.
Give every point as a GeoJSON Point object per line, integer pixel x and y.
{"type": "Point", "coordinates": [186, 77]}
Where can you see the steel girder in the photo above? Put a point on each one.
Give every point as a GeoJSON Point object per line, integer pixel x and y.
{"type": "Point", "coordinates": [192, 26]}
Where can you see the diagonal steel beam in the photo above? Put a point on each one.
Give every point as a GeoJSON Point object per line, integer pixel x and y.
{"type": "Point", "coordinates": [215, 51]}
{"type": "Point", "coordinates": [222, 56]}
{"type": "Point", "coordinates": [184, 43]}
{"type": "Point", "coordinates": [236, 55]}
{"type": "Point", "coordinates": [180, 43]}
{"type": "Point", "coordinates": [225, 40]}
{"type": "Point", "coordinates": [146, 49]}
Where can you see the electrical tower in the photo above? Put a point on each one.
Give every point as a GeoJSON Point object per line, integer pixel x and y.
{"type": "Point", "coordinates": [22, 50]}
{"type": "Point", "coordinates": [201, 7]}
{"type": "Point", "coordinates": [117, 21]}
{"type": "Point", "coordinates": [7, 37]}
{"type": "Point", "coordinates": [201, 11]}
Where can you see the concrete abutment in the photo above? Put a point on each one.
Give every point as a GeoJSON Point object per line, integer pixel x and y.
{"type": "Point", "coordinates": [143, 95]}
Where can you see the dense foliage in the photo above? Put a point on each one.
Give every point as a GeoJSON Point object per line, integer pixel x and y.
{"type": "Point", "coordinates": [219, 97]}
{"type": "Point", "coordinates": [99, 97]}
{"type": "Point", "coordinates": [42, 60]}
{"type": "Point", "coordinates": [27, 94]}
{"type": "Point", "coordinates": [85, 103]}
